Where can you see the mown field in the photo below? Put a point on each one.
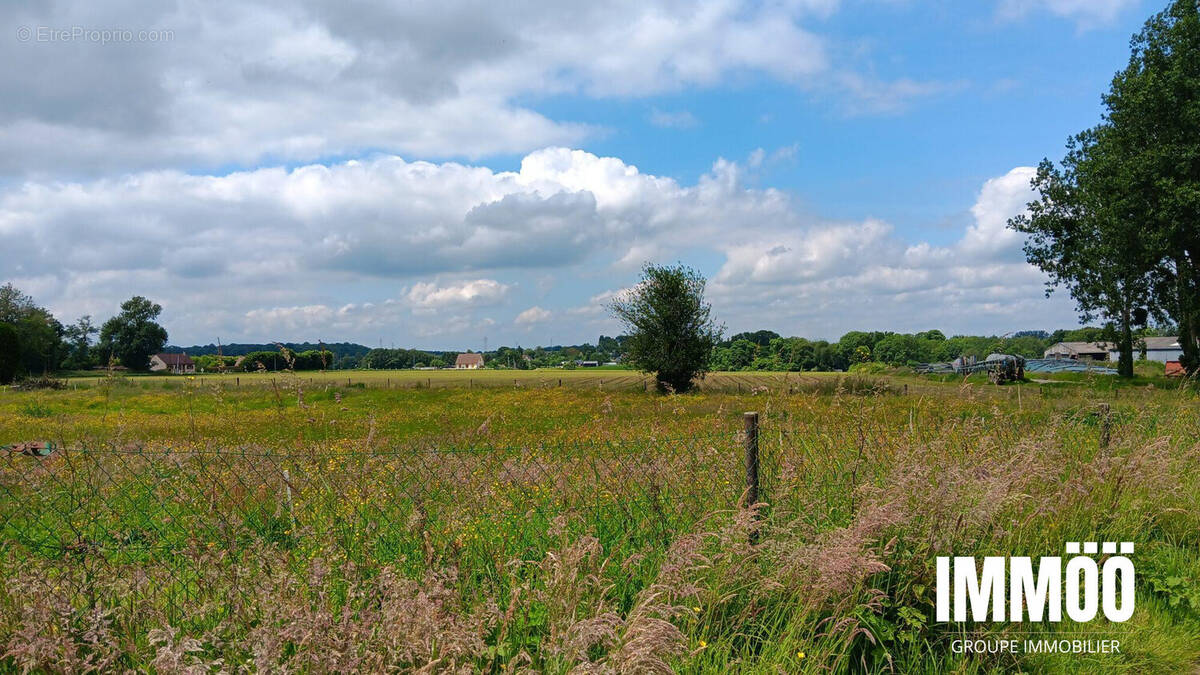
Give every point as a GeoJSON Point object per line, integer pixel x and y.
{"type": "Point", "coordinates": [497, 522]}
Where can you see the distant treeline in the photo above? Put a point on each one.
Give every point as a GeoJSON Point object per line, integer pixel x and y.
{"type": "Point", "coordinates": [756, 350]}
{"type": "Point", "coordinates": [767, 350]}
{"type": "Point", "coordinates": [339, 349]}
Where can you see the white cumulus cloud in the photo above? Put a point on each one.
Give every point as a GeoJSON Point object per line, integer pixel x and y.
{"type": "Point", "coordinates": [533, 315]}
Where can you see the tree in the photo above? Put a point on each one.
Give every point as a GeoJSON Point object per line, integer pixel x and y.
{"type": "Point", "coordinates": [79, 343]}
{"type": "Point", "coordinates": [1086, 233]}
{"type": "Point", "coordinates": [1116, 225]}
{"type": "Point", "coordinates": [670, 326]}
{"type": "Point", "coordinates": [38, 332]}
{"type": "Point", "coordinates": [1152, 115]}
{"type": "Point", "coordinates": [10, 353]}
{"type": "Point", "coordinates": [898, 349]}
{"type": "Point", "coordinates": [133, 336]}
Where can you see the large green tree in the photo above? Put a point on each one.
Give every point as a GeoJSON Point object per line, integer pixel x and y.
{"type": "Point", "coordinates": [1153, 115]}
{"type": "Point", "coordinates": [1116, 224]}
{"type": "Point", "coordinates": [39, 334]}
{"type": "Point", "coordinates": [1085, 233]}
{"type": "Point", "coordinates": [670, 328]}
{"type": "Point", "coordinates": [133, 335]}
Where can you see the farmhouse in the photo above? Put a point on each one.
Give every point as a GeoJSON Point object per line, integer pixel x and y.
{"type": "Point", "coordinates": [1097, 351]}
{"type": "Point", "coordinates": [468, 361]}
{"type": "Point", "coordinates": [178, 364]}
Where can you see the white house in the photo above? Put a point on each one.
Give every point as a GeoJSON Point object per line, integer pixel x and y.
{"type": "Point", "coordinates": [178, 364]}
{"type": "Point", "coordinates": [468, 361]}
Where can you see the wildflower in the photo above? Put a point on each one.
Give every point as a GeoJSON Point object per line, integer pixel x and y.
{"type": "Point", "coordinates": [799, 655]}
{"type": "Point", "coordinates": [696, 609]}
{"type": "Point", "coordinates": [703, 644]}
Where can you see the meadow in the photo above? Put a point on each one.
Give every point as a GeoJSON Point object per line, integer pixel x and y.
{"type": "Point", "coordinates": [500, 521]}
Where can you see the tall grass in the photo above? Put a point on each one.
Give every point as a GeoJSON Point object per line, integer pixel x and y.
{"type": "Point", "coordinates": [297, 529]}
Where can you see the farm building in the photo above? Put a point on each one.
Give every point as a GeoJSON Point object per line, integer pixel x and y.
{"type": "Point", "coordinates": [178, 364]}
{"type": "Point", "coordinates": [1097, 351]}
{"type": "Point", "coordinates": [468, 361]}
{"type": "Point", "coordinates": [1157, 349]}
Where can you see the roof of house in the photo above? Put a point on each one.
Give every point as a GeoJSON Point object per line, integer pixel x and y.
{"type": "Point", "coordinates": [1161, 343]}
{"type": "Point", "coordinates": [175, 359]}
{"type": "Point", "coordinates": [1080, 347]}
{"type": "Point", "coordinates": [469, 360]}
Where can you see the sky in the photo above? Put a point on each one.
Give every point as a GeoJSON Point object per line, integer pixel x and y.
{"type": "Point", "coordinates": [445, 174]}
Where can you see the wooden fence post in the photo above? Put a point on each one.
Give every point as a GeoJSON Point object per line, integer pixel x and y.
{"type": "Point", "coordinates": [750, 420]}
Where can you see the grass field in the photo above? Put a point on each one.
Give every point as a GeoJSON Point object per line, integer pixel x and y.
{"type": "Point", "coordinates": [493, 521]}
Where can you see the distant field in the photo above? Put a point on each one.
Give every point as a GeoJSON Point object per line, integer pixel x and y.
{"type": "Point", "coordinates": [493, 520]}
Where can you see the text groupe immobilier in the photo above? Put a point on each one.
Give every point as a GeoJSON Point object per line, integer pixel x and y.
{"type": "Point", "coordinates": [1036, 646]}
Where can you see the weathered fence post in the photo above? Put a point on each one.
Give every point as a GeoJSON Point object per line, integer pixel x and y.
{"type": "Point", "coordinates": [751, 446]}
{"type": "Point", "coordinates": [1105, 425]}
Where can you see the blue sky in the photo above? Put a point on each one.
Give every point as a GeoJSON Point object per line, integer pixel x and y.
{"type": "Point", "coordinates": [427, 174]}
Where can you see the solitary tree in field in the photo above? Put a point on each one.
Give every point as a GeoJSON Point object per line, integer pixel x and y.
{"type": "Point", "coordinates": [670, 328]}
{"type": "Point", "coordinates": [133, 336]}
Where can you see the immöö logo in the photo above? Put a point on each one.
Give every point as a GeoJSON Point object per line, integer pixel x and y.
{"type": "Point", "coordinates": [1008, 589]}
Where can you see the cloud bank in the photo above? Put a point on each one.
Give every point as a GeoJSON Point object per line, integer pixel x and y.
{"type": "Point", "coordinates": [360, 248]}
